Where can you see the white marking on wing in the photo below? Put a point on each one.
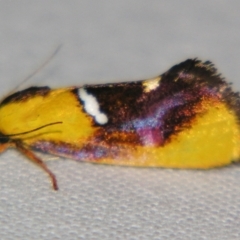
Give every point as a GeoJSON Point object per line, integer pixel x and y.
{"type": "Point", "coordinates": [91, 106]}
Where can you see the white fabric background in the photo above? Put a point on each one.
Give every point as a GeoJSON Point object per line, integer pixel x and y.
{"type": "Point", "coordinates": [106, 41]}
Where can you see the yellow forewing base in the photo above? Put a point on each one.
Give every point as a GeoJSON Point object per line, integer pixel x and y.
{"type": "Point", "coordinates": [59, 105]}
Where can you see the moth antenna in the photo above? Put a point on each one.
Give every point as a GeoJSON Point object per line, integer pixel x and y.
{"type": "Point", "coordinates": [52, 55]}
{"type": "Point", "coordinates": [30, 131]}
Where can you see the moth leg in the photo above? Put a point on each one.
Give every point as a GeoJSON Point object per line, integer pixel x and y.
{"type": "Point", "coordinates": [4, 146]}
{"type": "Point", "coordinates": [30, 155]}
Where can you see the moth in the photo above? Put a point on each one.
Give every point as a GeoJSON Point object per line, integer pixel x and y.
{"type": "Point", "coordinates": [188, 117]}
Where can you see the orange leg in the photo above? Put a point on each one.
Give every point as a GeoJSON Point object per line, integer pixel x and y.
{"type": "Point", "coordinates": [4, 146]}
{"type": "Point", "coordinates": [37, 161]}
